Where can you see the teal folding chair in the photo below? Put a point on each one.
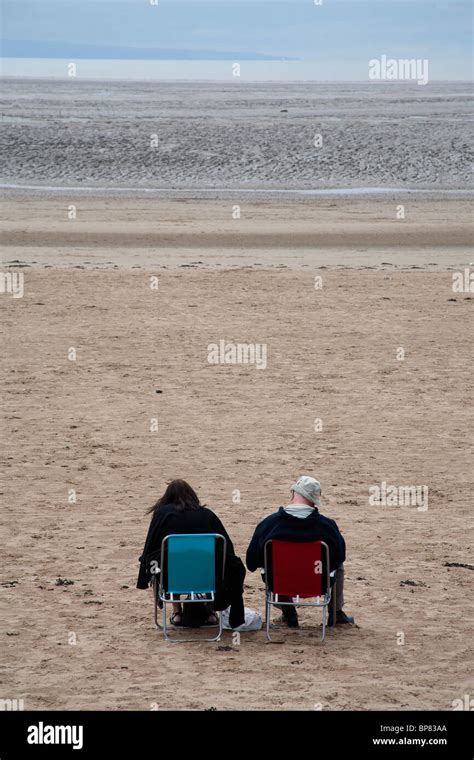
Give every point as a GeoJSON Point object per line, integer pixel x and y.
{"type": "Point", "coordinates": [188, 568]}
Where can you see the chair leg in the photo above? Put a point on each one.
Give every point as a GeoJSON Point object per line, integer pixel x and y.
{"type": "Point", "coordinates": [267, 619]}
{"type": "Point", "coordinates": [334, 605]}
{"type": "Point", "coordinates": [179, 640]}
{"type": "Point", "coordinates": [155, 597]}
{"type": "Point", "coordinates": [155, 608]}
{"type": "Point", "coordinates": [154, 585]}
{"type": "Point", "coordinates": [324, 623]}
{"type": "Point", "coordinates": [221, 626]}
{"type": "Point", "coordinates": [165, 630]}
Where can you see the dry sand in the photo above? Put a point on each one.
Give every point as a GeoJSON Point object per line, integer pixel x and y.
{"type": "Point", "coordinates": [84, 425]}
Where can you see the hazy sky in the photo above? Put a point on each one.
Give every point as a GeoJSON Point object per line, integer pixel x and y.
{"type": "Point", "coordinates": [339, 33]}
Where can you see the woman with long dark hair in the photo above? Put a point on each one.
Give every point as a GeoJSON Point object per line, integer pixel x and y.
{"type": "Point", "coordinates": [180, 511]}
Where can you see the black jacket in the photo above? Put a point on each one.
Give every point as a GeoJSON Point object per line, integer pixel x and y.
{"type": "Point", "coordinates": [286, 527]}
{"type": "Point", "coordinates": [168, 520]}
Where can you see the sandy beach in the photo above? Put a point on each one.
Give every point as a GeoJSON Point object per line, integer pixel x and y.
{"type": "Point", "coordinates": [155, 231]}
{"type": "Point", "coordinates": [124, 290]}
{"type": "Point", "coordinates": [84, 425]}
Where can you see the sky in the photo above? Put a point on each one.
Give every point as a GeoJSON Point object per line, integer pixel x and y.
{"type": "Point", "coordinates": [339, 34]}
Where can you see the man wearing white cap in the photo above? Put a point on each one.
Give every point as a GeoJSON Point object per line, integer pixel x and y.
{"type": "Point", "coordinates": [300, 520]}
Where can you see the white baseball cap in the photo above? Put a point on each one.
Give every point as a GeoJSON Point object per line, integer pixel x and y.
{"type": "Point", "coordinates": [308, 487]}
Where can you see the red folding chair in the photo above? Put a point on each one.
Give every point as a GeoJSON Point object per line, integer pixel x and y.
{"type": "Point", "coordinates": [299, 571]}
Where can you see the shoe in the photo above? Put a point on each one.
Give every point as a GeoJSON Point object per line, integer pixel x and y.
{"type": "Point", "coordinates": [176, 620]}
{"type": "Point", "coordinates": [290, 617]}
{"type": "Point", "coordinates": [341, 618]}
{"type": "Point", "coordinates": [194, 615]}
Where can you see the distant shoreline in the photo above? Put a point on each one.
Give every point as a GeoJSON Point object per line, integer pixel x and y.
{"type": "Point", "coordinates": [339, 192]}
{"type": "Point", "coordinates": [239, 81]}
{"type": "Point", "coordinates": [251, 71]}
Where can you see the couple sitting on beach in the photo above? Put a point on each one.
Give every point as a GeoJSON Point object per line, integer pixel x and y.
{"type": "Point", "coordinates": [180, 511]}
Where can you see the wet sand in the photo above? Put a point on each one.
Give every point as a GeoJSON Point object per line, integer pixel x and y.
{"type": "Point", "coordinates": [237, 135]}
{"type": "Point", "coordinates": [148, 231]}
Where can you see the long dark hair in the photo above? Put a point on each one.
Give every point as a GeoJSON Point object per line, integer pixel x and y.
{"type": "Point", "coordinates": [179, 493]}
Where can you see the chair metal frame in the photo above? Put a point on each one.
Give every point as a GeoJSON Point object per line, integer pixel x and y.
{"type": "Point", "coordinates": [167, 597]}
{"type": "Point", "coordinates": [271, 599]}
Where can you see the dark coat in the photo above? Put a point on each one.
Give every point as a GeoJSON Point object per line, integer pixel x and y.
{"type": "Point", "coordinates": [168, 520]}
{"type": "Point", "coordinates": [286, 527]}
